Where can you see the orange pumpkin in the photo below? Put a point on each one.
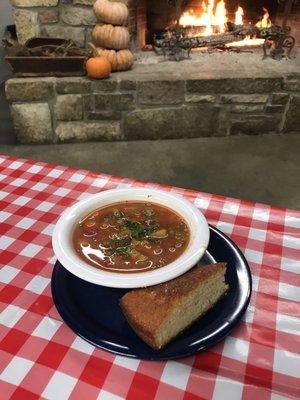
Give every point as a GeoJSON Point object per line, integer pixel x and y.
{"type": "Point", "coordinates": [98, 68]}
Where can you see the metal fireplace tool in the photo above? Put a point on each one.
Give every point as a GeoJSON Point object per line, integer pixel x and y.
{"type": "Point", "coordinates": [178, 41]}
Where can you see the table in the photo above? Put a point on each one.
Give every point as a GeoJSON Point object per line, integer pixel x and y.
{"type": "Point", "coordinates": [42, 358]}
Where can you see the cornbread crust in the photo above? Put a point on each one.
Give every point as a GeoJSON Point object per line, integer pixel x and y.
{"type": "Point", "coordinates": [146, 309]}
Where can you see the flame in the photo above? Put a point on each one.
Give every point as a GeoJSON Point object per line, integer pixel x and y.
{"type": "Point", "coordinates": [211, 15]}
{"type": "Point", "coordinates": [208, 16]}
{"type": "Point", "coordinates": [265, 22]}
{"type": "Point", "coordinates": [239, 16]}
{"type": "Point", "coordinates": [221, 16]}
{"type": "Point", "coordinates": [248, 41]}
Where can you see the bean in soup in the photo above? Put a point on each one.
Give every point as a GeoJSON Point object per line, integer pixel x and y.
{"type": "Point", "coordinates": [131, 237]}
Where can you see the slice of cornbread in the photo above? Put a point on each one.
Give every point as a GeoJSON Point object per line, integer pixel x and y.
{"type": "Point", "coordinates": [159, 313]}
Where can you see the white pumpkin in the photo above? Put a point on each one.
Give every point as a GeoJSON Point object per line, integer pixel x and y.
{"type": "Point", "coordinates": [114, 13]}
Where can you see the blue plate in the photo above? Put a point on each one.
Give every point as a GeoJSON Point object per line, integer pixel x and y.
{"type": "Point", "coordinates": [93, 311]}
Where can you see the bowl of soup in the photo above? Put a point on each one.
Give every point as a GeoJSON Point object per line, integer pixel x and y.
{"type": "Point", "coordinates": [130, 238]}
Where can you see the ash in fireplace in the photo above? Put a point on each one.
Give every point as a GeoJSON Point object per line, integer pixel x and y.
{"type": "Point", "coordinates": [203, 63]}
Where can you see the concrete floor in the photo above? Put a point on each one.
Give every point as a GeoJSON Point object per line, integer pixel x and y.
{"type": "Point", "coordinates": [261, 168]}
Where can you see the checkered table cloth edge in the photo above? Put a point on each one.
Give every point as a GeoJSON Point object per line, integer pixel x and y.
{"type": "Point", "coordinates": [42, 358]}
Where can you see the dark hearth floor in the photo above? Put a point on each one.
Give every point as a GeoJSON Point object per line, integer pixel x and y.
{"type": "Point", "coordinates": [216, 65]}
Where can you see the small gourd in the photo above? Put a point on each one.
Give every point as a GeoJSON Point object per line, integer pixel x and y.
{"type": "Point", "coordinates": [98, 68]}
{"type": "Point", "coordinates": [111, 37]}
{"type": "Point", "coordinates": [114, 13]}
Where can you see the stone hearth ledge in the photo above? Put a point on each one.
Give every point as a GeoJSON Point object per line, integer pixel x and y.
{"type": "Point", "coordinates": [138, 104]}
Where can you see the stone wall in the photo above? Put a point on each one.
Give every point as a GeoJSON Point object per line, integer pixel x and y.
{"type": "Point", "coordinates": [66, 19]}
{"type": "Point", "coordinates": [52, 110]}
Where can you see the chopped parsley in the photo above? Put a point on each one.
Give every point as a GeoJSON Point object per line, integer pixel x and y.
{"type": "Point", "coordinates": [122, 251]}
{"type": "Point", "coordinates": [122, 246]}
{"type": "Point", "coordinates": [118, 214]}
{"type": "Point", "coordinates": [119, 242]}
{"type": "Point", "coordinates": [149, 213]}
{"type": "Point", "coordinates": [139, 231]}
{"type": "Point", "coordinates": [113, 215]}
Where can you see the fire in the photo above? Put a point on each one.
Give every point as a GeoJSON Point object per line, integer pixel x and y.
{"type": "Point", "coordinates": [212, 16]}
{"type": "Point", "coordinates": [265, 22]}
{"type": "Point", "coordinates": [221, 16]}
{"type": "Point", "coordinates": [246, 42]}
{"type": "Point", "coordinates": [239, 16]}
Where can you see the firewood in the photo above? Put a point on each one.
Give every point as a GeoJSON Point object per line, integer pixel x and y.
{"type": "Point", "coordinates": [181, 37]}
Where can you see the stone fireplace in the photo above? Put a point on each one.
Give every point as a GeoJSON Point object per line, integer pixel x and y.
{"type": "Point", "coordinates": [75, 18]}
{"type": "Point", "coordinates": [209, 94]}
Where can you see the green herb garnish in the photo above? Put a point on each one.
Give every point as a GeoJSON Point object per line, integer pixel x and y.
{"type": "Point", "coordinates": [136, 228]}
{"type": "Point", "coordinates": [121, 246]}
{"type": "Point", "coordinates": [139, 231]}
{"type": "Point", "coordinates": [113, 215]}
{"type": "Point", "coordinates": [149, 213]}
{"type": "Point", "coordinates": [122, 251]}
{"type": "Point", "coordinates": [120, 242]}
{"type": "Point", "coordinates": [118, 214]}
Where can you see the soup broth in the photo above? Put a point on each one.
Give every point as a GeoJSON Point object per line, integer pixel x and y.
{"type": "Point", "coordinates": [131, 237]}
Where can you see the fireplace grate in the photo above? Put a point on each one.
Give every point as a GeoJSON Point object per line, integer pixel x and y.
{"type": "Point", "coordinates": [177, 41]}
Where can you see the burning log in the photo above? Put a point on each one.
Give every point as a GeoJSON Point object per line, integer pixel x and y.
{"type": "Point", "coordinates": [179, 39]}
{"type": "Point", "coordinates": [207, 41]}
{"type": "Point", "coordinates": [195, 27]}
{"type": "Point", "coordinates": [218, 40]}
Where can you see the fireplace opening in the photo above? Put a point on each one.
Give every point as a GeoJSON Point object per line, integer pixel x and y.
{"type": "Point", "coordinates": [153, 18]}
{"type": "Point", "coordinates": [207, 16]}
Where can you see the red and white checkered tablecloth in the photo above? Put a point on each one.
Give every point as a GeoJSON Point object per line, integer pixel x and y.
{"type": "Point", "coordinates": [42, 358]}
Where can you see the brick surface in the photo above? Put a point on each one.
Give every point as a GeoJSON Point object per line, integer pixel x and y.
{"type": "Point", "coordinates": [49, 16]}
{"type": "Point", "coordinates": [84, 131]}
{"type": "Point", "coordinates": [160, 92]}
{"type": "Point", "coordinates": [68, 107]}
{"type": "Point", "coordinates": [32, 122]}
{"type": "Point", "coordinates": [34, 3]}
{"type": "Point", "coordinates": [26, 24]}
{"type": "Point", "coordinates": [78, 16]}
{"type": "Point", "coordinates": [234, 85]}
{"type": "Point", "coordinates": [170, 122]}
{"type": "Point", "coordinates": [292, 120]}
{"type": "Point", "coordinates": [29, 89]}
